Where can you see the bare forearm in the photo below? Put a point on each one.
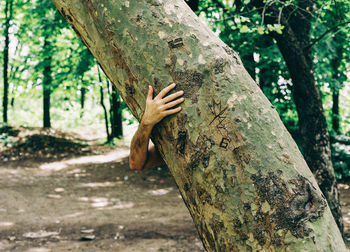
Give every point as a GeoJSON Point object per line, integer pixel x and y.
{"type": "Point", "coordinates": [139, 146]}
{"type": "Point", "coordinates": [156, 109]}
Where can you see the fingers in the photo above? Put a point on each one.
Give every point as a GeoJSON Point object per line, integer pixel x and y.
{"type": "Point", "coordinates": [172, 111]}
{"type": "Point", "coordinates": [173, 96]}
{"type": "Point", "coordinates": [150, 93]}
{"type": "Point", "coordinates": [173, 103]}
{"type": "Point", "coordinates": [165, 91]}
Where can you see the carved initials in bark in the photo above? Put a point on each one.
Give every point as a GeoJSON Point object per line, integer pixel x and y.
{"type": "Point", "coordinates": [176, 43]}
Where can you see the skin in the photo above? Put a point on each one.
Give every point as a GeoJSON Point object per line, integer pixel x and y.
{"type": "Point", "coordinates": [142, 156]}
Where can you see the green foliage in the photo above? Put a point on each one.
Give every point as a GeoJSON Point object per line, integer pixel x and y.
{"type": "Point", "coordinates": [332, 54]}
{"type": "Point", "coordinates": [241, 27]}
{"type": "Point", "coordinates": [6, 140]}
{"type": "Point", "coordinates": [238, 24]}
{"type": "Point", "coordinates": [72, 65]}
{"type": "Point", "coordinates": [341, 156]}
{"type": "Point", "coordinates": [7, 136]}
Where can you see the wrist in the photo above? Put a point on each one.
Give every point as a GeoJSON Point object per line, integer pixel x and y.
{"type": "Point", "coordinates": [146, 124]}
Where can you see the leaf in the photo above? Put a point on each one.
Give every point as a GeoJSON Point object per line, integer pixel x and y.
{"type": "Point", "coordinates": [244, 29]}
{"type": "Point", "coordinates": [278, 28]}
{"type": "Point", "coordinates": [261, 30]}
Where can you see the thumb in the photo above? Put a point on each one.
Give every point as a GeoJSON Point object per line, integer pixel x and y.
{"type": "Point", "coordinates": [150, 92]}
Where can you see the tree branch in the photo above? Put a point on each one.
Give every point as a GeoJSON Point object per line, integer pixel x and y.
{"type": "Point", "coordinates": [324, 34]}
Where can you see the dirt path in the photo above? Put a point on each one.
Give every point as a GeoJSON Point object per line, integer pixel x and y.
{"type": "Point", "coordinates": [95, 203]}
{"type": "Point", "coordinates": [92, 203]}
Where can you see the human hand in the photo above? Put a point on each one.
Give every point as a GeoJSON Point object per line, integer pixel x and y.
{"type": "Point", "coordinates": [161, 106]}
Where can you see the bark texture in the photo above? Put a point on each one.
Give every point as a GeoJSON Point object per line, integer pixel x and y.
{"type": "Point", "coordinates": [239, 171]}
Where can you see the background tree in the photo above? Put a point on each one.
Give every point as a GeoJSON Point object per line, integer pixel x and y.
{"type": "Point", "coordinates": [116, 110]}
{"type": "Point", "coordinates": [109, 138]}
{"type": "Point", "coordinates": [8, 17]}
{"type": "Point", "coordinates": [85, 63]}
{"type": "Point", "coordinates": [50, 24]}
{"type": "Point", "coordinates": [27, 61]}
{"type": "Point", "coordinates": [330, 44]}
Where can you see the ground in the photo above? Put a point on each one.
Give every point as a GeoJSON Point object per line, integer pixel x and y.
{"type": "Point", "coordinates": [85, 198]}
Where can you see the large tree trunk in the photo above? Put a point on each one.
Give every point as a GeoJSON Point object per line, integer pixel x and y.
{"type": "Point", "coordinates": [294, 45]}
{"type": "Point", "coordinates": [8, 17]}
{"type": "Point", "coordinates": [239, 171]}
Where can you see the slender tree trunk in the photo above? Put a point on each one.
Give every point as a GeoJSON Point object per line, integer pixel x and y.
{"type": "Point", "coordinates": [117, 118]}
{"type": "Point", "coordinates": [12, 101]}
{"type": "Point", "coordinates": [82, 101]}
{"type": "Point", "coordinates": [294, 45]}
{"type": "Point", "coordinates": [47, 82]}
{"type": "Point", "coordinates": [82, 98]}
{"type": "Point", "coordinates": [105, 113]}
{"type": "Point", "coordinates": [335, 111]}
{"type": "Point", "coordinates": [115, 111]}
{"type": "Point", "coordinates": [338, 78]}
{"type": "Point", "coordinates": [240, 173]}
{"type": "Point", "coordinates": [109, 138]}
{"type": "Point", "coordinates": [8, 18]}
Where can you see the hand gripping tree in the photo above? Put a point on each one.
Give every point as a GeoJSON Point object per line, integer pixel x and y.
{"type": "Point", "coordinates": [239, 171]}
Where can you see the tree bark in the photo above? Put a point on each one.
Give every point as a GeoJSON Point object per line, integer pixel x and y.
{"type": "Point", "coordinates": [105, 113]}
{"type": "Point", "coordinates": [116, 115]}
{"type": "Point", "coordinates": [335, 111]}
{"type": "Point", "coordinates": [238, 170]}
{"type": "Point", "coordinates": [8, 18]}
{"type": "Point", "coordinates": [294, 45]}
{"type": "Point", "coordinates": [47, 81]}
